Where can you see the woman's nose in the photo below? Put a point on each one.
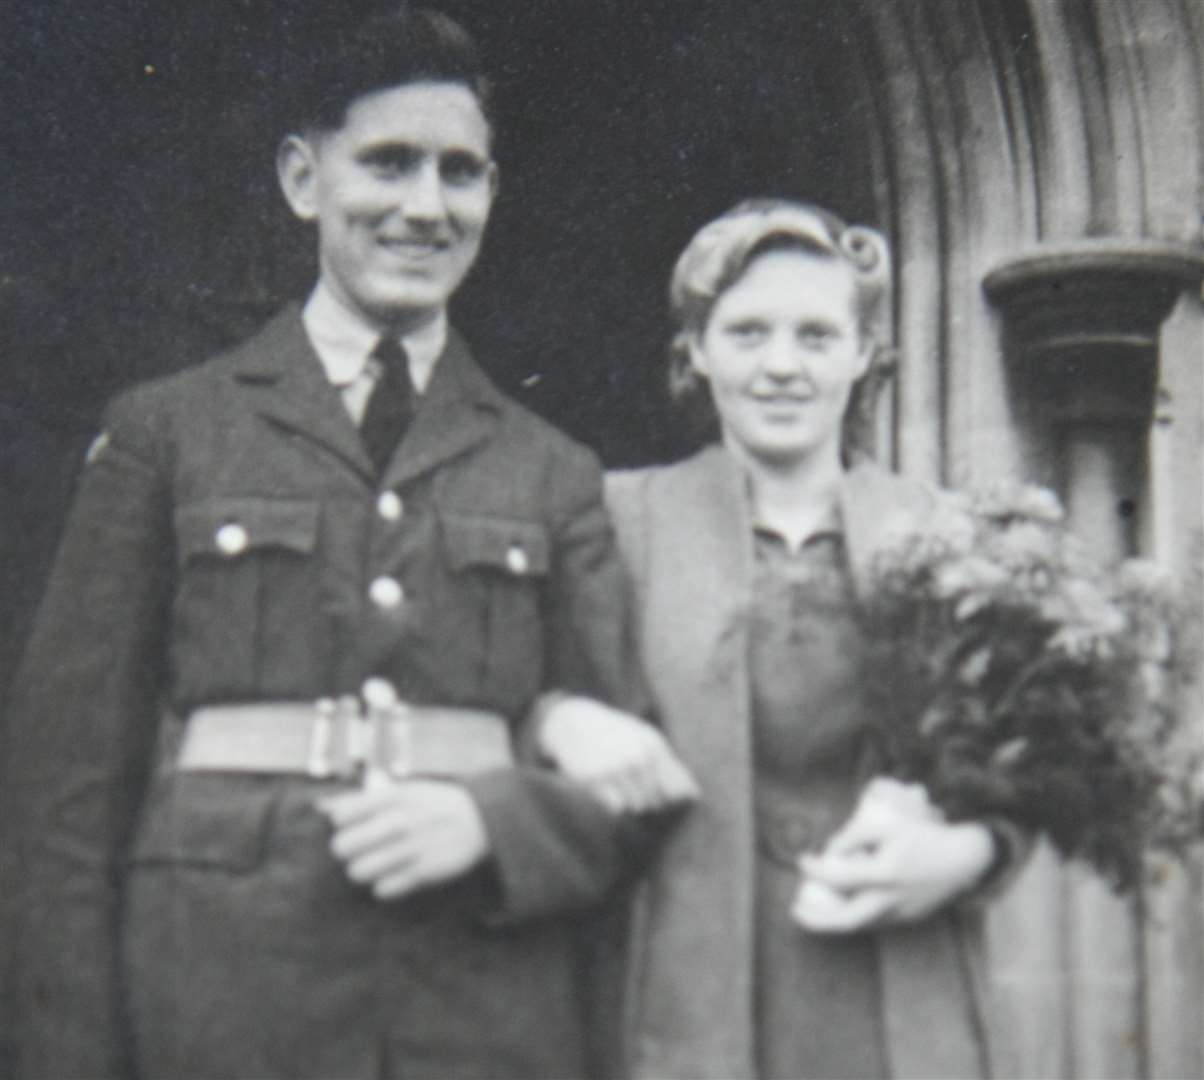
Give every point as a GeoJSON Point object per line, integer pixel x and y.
{"type": "Point", "coordinates": [783, 358]}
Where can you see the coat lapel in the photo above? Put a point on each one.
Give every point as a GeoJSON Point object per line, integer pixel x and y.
{"type": "Point", "coordinates": [280, 365]}
{"type": "Point", "coordinates": [698, 586]}
{"type": "Point", "coordinates": [876, 508]}
{"type": "Point", "coordinates": [930, 1015]}
{"type": "Point", "coordinates": [704, 557]}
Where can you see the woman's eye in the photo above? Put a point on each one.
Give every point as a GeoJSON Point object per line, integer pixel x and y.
{"type": "Point", "coordinates": [814, 338]}
{"type": "Point", "coordinates": [747, 333]}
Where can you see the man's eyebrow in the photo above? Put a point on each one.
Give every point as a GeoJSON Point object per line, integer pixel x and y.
{"type": "Point", "coordinates": [392, 150]}
{"type": "Point", "coordinates": [388, 150]}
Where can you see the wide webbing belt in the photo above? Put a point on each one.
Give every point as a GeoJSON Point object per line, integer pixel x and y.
{"type": "Point", "coordinates": [341, 739]}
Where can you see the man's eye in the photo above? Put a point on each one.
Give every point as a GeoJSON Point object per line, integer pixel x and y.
{"type": "Point", "coordinates": [393, 161]}
{"type": "Point", "coordinates": [461, 168]}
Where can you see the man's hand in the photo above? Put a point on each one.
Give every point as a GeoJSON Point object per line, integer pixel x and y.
{"type": "Point", "coordinates": [620, 758]}
{"type": "Point", "coordinates": [399, 837]}
{"type": "Point", "coordinates": [895, 861]}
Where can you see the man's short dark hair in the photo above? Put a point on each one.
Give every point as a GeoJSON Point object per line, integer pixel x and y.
{"type": "Point", "coordinates": [392, 48]}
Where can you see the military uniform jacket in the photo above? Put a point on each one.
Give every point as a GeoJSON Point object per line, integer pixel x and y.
{"type": "Point", "coordinates": [148, 901]}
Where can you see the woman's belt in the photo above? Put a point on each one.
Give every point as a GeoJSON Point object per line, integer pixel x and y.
{"type": "Point", "coordinates": [345, 739]}
{"type": "Point", "coordinates": [792, 821]}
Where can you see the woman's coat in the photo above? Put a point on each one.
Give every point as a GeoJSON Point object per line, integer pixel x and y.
{"type": "Point", "coordinates": [687, 541]}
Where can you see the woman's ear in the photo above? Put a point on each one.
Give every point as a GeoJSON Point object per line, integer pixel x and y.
{"type": "Point", "coordinates": [297, 171]}
{"type": "Point", "coordinates": [698, 357]}
{"type": "Point", "coordinates": [865, 355]}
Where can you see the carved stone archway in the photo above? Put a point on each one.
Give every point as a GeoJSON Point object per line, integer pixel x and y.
{"type": "Point", "coordinates": [1058, 147]}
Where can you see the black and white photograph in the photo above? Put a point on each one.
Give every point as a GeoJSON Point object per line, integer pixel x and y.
{"type": "Point", "coordinates": [602, 540]}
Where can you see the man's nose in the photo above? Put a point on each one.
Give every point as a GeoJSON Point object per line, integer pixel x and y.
{"type": "Point", "coordinates": [422, 198]}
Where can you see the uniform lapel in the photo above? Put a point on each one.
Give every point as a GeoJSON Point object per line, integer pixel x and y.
{"type": "Point", "coordinates": [280, 367]}
{"type": "Point", "coordinates": [458, 411]}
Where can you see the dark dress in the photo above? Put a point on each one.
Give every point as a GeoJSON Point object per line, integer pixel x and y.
{"type": "Point", "coordinates": [818, 1003]}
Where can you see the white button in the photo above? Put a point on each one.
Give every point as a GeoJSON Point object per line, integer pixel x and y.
{"type": "Point", "coordinates": [389, 506]}
{"type": "Point", "coordinates": [231, 539]}
{"type": "Point", "coordinates": [378, 693]}
{"type": "Point", "coordinates": [517, 560]}
{"type": "Point", "coordinates": [386, 592]}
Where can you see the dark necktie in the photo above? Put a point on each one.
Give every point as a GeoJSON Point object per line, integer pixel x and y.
{"type": "Point", "coordinates": [390, 404]}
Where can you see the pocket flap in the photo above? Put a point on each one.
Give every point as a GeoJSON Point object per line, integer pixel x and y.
{"type": "Point", "coordinates": [206, 821]}
{"type": "Point", "coordinates": [228, 526]}
{"type": "Point", "coordinates": [516, 547]}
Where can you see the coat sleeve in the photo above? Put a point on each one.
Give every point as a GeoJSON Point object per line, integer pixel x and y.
{"type": "Point", "coordinates": [81, 731]}
{"type": "Point", "coordinates": [555, 846]}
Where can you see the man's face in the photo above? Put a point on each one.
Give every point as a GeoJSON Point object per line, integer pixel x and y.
{"type": "Point", "coordinates": [400, 193]}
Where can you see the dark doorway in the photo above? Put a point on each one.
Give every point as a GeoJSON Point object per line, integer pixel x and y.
{"type": "Point", "coordinates": [142, 230]}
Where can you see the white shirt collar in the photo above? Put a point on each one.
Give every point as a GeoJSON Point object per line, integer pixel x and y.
{"type": "Point", "coordinates": [343, 340]}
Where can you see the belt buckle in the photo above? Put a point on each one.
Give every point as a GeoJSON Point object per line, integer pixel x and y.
{"type": "Point", "coordinates": [390, 733]}
{"type": "Point", "coordinates": [394, 742]}
{"type": "Point", "coordinates": [339, 742]}
{"type": "Point", "coordinates": [373, 741]}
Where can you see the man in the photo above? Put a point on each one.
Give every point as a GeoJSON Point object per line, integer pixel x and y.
{"type": "Point", "coordinates": [262, 799]}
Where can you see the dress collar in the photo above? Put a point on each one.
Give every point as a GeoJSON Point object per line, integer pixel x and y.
{"type": "Point", "coordinates": [831, 524]}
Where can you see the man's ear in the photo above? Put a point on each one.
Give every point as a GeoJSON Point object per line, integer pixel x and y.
{"type": "Point", "coordinates": [297, 171]}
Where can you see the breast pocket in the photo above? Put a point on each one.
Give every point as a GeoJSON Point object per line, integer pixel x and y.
{"type": "Point", "coordinates": [498, 567]}
{"type": "Point", "coordinates": [248, 606]}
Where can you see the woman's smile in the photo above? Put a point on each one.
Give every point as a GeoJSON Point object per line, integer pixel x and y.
{"type": "Point", "coordinates": [781, 352]}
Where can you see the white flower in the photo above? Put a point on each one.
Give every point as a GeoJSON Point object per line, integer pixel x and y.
{"type": "Point", "coordinates": [1025, 543]}
{"type": "Point", "coordinates": [970, 574]}
{"type": "Point", "coordinates": [1024, 501]}
{"type": "Point", "coordinates": [1094, 610]}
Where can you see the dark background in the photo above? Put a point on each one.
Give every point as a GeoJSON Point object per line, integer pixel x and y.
{"type": "Point", "coordinates": [141, 229]}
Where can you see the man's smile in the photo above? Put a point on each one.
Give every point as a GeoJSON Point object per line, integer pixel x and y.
{"type": "Point", "coordinates": [413, 248]}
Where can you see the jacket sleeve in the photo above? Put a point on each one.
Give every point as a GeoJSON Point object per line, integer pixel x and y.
{"type": "Point", "coordinates": [555, 846]}
{"type": "Point", "coordinates": [81, 731]}
{"type": "Point", "coordinates": [1013, 849]}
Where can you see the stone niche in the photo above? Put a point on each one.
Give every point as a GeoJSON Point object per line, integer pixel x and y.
{"type": "Point", "coordinates": [1082, 325]}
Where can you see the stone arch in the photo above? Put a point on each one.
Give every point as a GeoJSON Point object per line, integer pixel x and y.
{"type": "Point", "coordinates": [1062, 141]}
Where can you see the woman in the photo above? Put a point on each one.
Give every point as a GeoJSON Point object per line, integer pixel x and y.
{"type": "Point", "coordinates": [779, 938]}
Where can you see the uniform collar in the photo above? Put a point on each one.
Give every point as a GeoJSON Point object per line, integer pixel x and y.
{"type": "Point", "coordinates": [343, 339]}
{"type": "Point", "coordinates": [280, 366]}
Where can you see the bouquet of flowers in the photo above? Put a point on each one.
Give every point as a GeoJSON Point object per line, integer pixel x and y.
{"type": "Point", "coordinates": [1012, 675]}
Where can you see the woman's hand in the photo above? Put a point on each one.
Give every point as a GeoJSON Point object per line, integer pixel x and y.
{"type": "Point", "coordinates": [622, 759]}
{"type": "Point", "coordinates": [896, 860]}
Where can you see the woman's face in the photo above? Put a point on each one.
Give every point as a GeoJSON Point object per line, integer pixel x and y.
{"type": "Point", "coordinates": [781, 351]}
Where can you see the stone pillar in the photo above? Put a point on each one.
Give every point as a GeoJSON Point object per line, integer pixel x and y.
{"type": "Point", "coordinates": [1082, 326]}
